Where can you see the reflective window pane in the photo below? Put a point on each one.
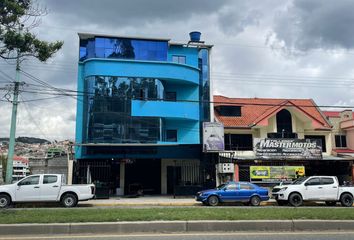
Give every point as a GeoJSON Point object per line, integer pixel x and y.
{"type": "Point", "coordinates": [124, 48]}
{"type": "Point", "coordinates": [108, 110]}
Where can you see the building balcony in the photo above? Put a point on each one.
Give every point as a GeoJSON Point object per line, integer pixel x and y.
{"type": "Point", "coordinates": [173, 72]}
{"type": "Point", "coordinates": [166, 109]}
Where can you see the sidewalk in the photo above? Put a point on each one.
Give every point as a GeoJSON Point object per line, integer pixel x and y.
{"type": "Point", "coordinates": [150, 201]}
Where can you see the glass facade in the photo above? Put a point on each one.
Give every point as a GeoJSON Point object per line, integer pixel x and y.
{"type": "Point", "coordinates": [123, 48]}
{"type": "Point", "coordinates": [204, 85]}
{"type": "Point", "coordinates": [108, 110]}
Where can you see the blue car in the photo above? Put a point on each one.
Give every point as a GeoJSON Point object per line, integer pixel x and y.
{"type": "Point", "coordinates": [233, 192]}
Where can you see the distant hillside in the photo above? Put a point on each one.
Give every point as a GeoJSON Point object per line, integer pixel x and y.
{"type": "Point", "coordinates": [30, 140]}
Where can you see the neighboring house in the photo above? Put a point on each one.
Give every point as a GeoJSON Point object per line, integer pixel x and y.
{"type": "Point", "coordinates": [271, 140]}
{"type": "Point", "coordinates": [139, 122]}
{"type": "Point", "coordinates": [20, 168]}
{"type": "Point", "coordinates": [343, 132]}
{"type": "Point", "coordinates": [55, 165]}
{"type": "Point", "coordinates": [55, 161]}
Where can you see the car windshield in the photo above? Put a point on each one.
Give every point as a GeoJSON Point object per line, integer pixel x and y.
{"type": "Point", "coordinates": [299, 180]}
{"type": "Point", "coordinates": [221, 186]}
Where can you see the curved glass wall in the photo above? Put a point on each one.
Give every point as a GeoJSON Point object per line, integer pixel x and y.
{"type": "Point", "coordinates": [123, 48]}
{"type": "Point", "coordinates": [107, 107]}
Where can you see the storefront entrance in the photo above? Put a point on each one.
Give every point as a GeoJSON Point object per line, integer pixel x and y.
{"type": "Point", "coordinates": [143, 177]}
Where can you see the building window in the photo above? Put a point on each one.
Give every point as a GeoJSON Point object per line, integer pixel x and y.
{"type": "Point", "coordinates": [284, 123]}
{"type": "Point", "coordinates": [320, 139]}
{"type": "Point", "coordinates": [171, 96]}
{"type": "Point", "coordinates": [179, 59]}
{"type": "Point", "coordinates": [123, 48]}
{"type": "Point", "coordinates": [229, 111]}
{"type": "Point", "coordinates": [282, 135]}
{"type": "Point", "coordinates": [107, 110]}
{"type": "Point", "coordinates": [171, 135]}
{"type": "Point", "coordinates": [341, 141]}
{"type": "Point", "coordinates": [239, 142]}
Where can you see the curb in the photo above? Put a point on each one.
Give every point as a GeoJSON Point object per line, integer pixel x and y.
{"type": "Point", "coordinates": [117, 204]}
{"type": "Point", "coordinates": [176, 227]}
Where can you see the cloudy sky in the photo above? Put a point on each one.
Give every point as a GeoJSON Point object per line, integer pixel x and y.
{"type": "Point", "coordinates": [268, 48]}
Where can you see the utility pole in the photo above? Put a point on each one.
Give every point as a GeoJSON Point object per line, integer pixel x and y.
{"type": "Point", "coordinates": [10, 154]}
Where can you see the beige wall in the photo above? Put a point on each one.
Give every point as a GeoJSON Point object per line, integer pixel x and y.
{"type": "Point", "coordinates": [350, 138]}
{"type": "Point", "coordinates": [302, 125]}
{"type": "Point", "coordinates": [342, 126]}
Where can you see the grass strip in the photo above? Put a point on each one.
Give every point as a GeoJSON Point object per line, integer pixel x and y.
{"type": "Point", "coordinates": [11, 216]}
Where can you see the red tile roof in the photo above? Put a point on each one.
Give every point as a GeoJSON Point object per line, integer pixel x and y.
{"type": "Point", "coordinates": [254, 110]}
{"type": "Point", "coordinates": [22, 159]}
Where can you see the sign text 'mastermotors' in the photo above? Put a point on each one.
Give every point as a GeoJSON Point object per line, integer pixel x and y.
{"type": "Point", "coordinates": [275, 143]}
{"type": "Point", "coordinates": [270, 148]}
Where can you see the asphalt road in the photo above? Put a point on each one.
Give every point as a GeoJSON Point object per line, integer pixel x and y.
{"type": "Point", "coordinates": [203, 236]}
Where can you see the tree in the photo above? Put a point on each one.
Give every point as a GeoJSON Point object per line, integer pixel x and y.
{"type": "Point", "coordinates": [17, 18]}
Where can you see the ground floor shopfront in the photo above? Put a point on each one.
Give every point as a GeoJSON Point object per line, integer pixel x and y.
{"type": "Point", "coordinates": [343, 169]}
{"type": "Point", "coordinates": [172, 173]}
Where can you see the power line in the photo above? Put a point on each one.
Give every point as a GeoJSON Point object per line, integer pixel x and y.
{"type": "Point", "coordinates": [7, 76]}
{"type": "Point", "coordinates": [40, 99]}
{"type": "Point", "coordinates": [245, 75]}
{"type": "Point", "coordinates": [47, 84]}
{"type": "Point", "coordinates": [221, 43]}
{"type": "Point", "coordinates": [32, 119]}
{"type": "Point", "coordinates": [282, 76]}
{"type": "Point", "coordinates": [75, 94]}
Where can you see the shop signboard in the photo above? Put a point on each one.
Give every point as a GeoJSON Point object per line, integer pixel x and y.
{"type": "Point", "coordinates": [270, 148]}
{"type": "Point", "coordinates": [213, 137]}
{"type": "Point", "coordinates": [276, 173]}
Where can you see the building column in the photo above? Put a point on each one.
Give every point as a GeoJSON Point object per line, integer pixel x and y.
{"type": "Point", "coordinates": [122, 177]}
{"type": "Point", "coordinates": [70, 171]}
{"type": "Point", "coordinates": [236, 173]}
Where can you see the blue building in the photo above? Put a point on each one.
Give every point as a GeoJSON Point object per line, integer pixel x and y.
{"type": "Point", "coordinates": [140, 111]}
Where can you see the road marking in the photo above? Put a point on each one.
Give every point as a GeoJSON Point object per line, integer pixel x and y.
{"type": "Point", "coordinates": [175, 234]}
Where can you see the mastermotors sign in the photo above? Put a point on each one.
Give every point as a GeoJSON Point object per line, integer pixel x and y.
{"type": "Point", "coordinates": [213, 137]}
{"type": "Point", "coordinates": [269, 148]}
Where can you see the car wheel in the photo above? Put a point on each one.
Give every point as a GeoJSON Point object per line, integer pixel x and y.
{"type": "Point", "coordinates": [255, 201]}
{"type": "Point", "coordinates": [69, 200]}
{"type": "Point", "coordinates": [346, 200]}
{"type": "Point", "coordinates": [213, 201]}
{"type": "Point", "coordinates": [282, 202]}
{"type": "Point", "coordinates": [5, 201]}
{"type": "Point", "coordinates": [331, 203]}
{"type": "Point", "coordinates": [295, 200]}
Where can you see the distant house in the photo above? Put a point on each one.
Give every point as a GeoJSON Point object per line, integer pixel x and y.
{"type": "Point", "coordinates": [55, 152]}
{"type": "Point", "coordinates": [20, 168]}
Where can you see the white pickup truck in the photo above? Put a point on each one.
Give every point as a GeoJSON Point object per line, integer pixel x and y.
{"type": "Point", "coordinates": [315, 188]}
{"type": "Point", "coordinates": [45, 188]}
